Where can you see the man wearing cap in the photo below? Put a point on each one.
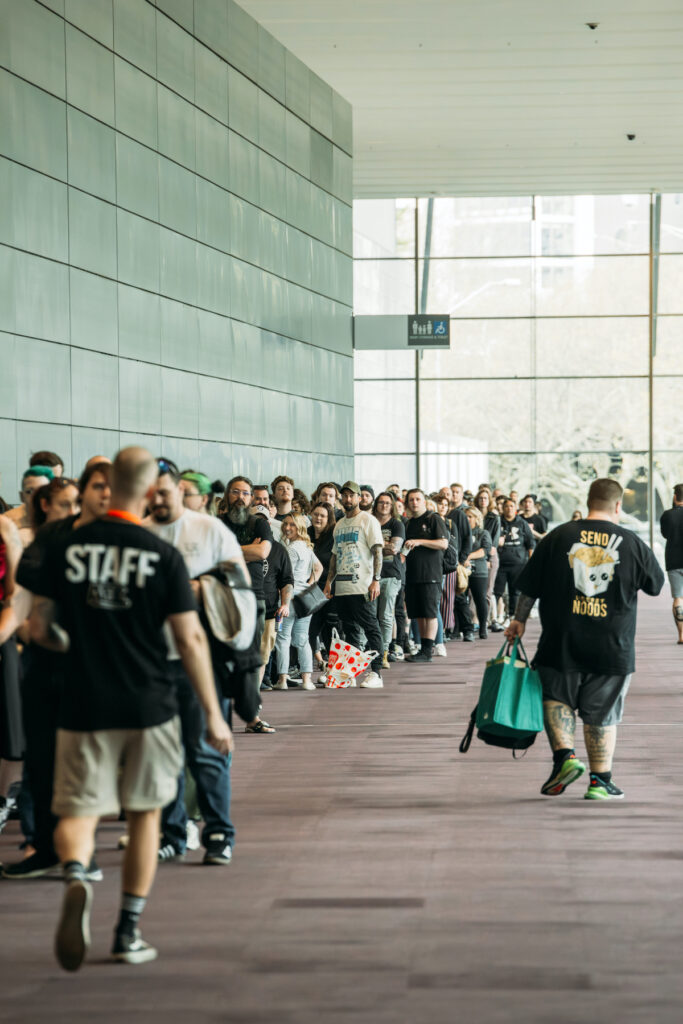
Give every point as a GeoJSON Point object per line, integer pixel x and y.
{"type": "Point", "coordinates": [367, 498]}
{"type": "Point", "coordinates": [196, 490]}
{"type": "Point", "coordinates": [356, 569]}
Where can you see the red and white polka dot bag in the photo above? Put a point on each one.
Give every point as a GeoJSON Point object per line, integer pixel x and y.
{"type": "Point", "coordinates": [345, 663]}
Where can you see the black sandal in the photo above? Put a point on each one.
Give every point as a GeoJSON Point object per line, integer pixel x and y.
{"type": "Point", "coordinates": [260, 726]}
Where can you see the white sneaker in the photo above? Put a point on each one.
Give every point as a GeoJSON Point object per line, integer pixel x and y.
{"type": "Point", "coordinates": [192, 834]}
{"type": "Point", "coordinates": [412, 647]}
{"type": "Point", "coordinates": [372, 681]}
{"type": "Point", "coordinates": [280, 685]}
{"type": "Point", "coordinates": [308, 685]}
{"type": "Point", "coordinates": [440, 650]}
{"type": "Point", "coordinates": [322, 679]}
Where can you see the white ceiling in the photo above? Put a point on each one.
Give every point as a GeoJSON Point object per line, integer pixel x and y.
{"type": "Point", "coordinates": [499, 97]}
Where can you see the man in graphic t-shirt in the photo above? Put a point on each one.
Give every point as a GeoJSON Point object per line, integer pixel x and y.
{"type": "Point", "coordinates": [671, 525]}
{"type": "Point", "coordinates": [393, 535]}
{"type": "Point", "coordinates": [118, 743]}
{"type": "Point", "coordinates": [426, 541]}
{"type": "Point", "coordinates": [356, 570]}
{"type": "Point", "coordinates": [514, 550]}
{"type": "Point", "coordinates": [534, 520]}
{"type": "Point", "coordinates": [587, 574]}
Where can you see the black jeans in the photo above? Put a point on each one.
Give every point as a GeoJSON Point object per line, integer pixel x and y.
{"type": "Point", "coordinates": [41, 687]}
{"type": "Point", "coordinates": [478, 588]}
{"type": "Point", "coordinates": [248, 699]}
{"type": "Point", "coordinates": [322, 623]}
{"type": "Point", "coordinates": [356, 614]}
{"type": "Point", "coordinates": [401, 618]}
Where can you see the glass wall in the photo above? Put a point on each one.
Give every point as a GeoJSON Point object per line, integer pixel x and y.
{"type": "Point", "coordinates": [549, 378]}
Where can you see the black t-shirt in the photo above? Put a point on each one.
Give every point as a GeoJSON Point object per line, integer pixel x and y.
{"type": "Point", "coordinates": [464, 530]}
{"type": "Point", "coordinates": [255, 529]}
{"type": "Point", "coordinates": [425, 565]}
{"type": "Point", "coordinates": [492, 526]}
{"type": "Point", "coordinates": [31, 562]}
{"type": "Point", "coordinates": [537, 522]}
{"type": "Point", "coordinates": [480, 539]}
{"type": "Point", "coordinates": [671, 525]}
{"type": "Point", "coordinates": [391, 564]}
{"type": "Point", "coordinates": [587, 575]}
{"type": "Point", "coordinates": [322, 549]}
{"type": "Point", "coordinates": [518, 541]}
{"type": "Point", "coordinates": [115, 583]}
{"type": "Point", "coordinates": [277, 573]}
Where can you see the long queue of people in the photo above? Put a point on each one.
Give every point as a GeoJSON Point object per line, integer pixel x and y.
{"type": "Point", "coordinates": [117, 688]}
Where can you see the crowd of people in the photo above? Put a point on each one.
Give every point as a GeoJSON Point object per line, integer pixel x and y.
{"type": "Point", "coordinates": [124, 569]}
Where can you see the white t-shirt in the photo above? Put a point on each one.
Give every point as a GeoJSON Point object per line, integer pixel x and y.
{"type": "Point", "coordinates": [301, 557]}
{"type": "Point", "coordinates": [202, 540]}
{"type": "Point", "coordinates": [352, 547]}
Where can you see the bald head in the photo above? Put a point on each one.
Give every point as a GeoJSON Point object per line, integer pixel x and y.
{"type": "Point", "coordinates": [97, 458]}
{"type": "Point", "coordinates": [134, 473]}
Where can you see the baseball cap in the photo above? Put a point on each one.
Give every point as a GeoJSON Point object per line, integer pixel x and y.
{"type": "Point", "coordinates": [351, 485]}
{"type": "Point", "coordinates": [259, 510]}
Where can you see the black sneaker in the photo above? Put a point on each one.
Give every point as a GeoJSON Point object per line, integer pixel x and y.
{"type": "Point", "coordinates": [72, 940]}
{"type": "Point", "coordinates": [469, 638]}
{"type": "Point", "coordinates": [168, 852]}
{"type": "Point", "coordinates": [93, 872]}
{"type": "Point", "coordinates": [601, 790]}
{"type": "Point", "coordinates": [218, 849]}
{"type": "Point", "coordinates": [419, 659]}
{"type": "Point", "coordinates": [569, 771]}
{"type": "Point", "coordinates": [266, 687]}
{"type": "Point", "coordinates": [483, 633]}
{"type": "Point", "coordinates": [132, 949]}
{"type": "Point", "coordinates": [496, 627]}
{"type": "Point", "coordinates": [34, 866]}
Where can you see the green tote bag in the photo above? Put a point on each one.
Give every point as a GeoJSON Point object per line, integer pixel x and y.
{"type": "Point", "coordinates": [510, 709]}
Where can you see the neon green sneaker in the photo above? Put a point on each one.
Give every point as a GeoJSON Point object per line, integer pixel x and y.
{"type": "Point", "coordinates": [569, 771]}
{"type": "Point", "coordinates": [601, 790]}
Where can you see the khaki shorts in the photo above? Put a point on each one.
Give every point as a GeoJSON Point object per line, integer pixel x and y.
{"type": "Point", "coordinates": [99, 772]}
{"type": "Point", "coordinates": [267, 640]}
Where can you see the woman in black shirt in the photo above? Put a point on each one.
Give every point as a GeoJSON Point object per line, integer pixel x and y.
{"type": "Point", "coordinates": [485, 504]}
{"type": "Point", "coordinates": [321, 532]}
{"type": "Point", "coordinates": [478, 562]}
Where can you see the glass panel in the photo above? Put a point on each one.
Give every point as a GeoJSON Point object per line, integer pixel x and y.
{"type": "Point", "coordinates": [383, 228]}
{"type": "Point", "coordinates": [669, 353]}
{"type": "Point", "coordinates": [671, 232]}
{"type": "Point", "coordinates": [586, 412]}
{"type": "Point", "coordinates": [476, 416]}
{"type": "Point", "coordinates": [440, 469]}
{"type": "Point", "coordinates": [670, 299]}
{"type": "Point", "coordinates": [393, 428]}
{"type": "Point", "coordinates": [668, 413]}
{"type": "Point", "coordinates": [563, 480]}
{"type": "Point", "coordinates": [383, 286]}
{"type": "Point", "coordinates": [477, 226]}
{"type": "Point", "coordinates": [583, 225]}
{"type": "Point", "coordinates": [592, 286]}
{"type": "Point", "coordinates": [371, 365]}
{"type": "Point", "coordinates": [382, 470]}
{"type": "Point", "coordinates": [668, 471]}
{"type": "Point", "coordinates": [608, 345]}
{"type": "Point", "coordinates": [469, 288]}
{"type": "Point", "coordinates": [483, 348]}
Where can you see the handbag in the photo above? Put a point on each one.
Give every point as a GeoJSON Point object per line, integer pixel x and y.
{"type": "Point", "coordinates": [510, 709]}
{"type": "Point", "coordinates": [308, 601]}
{"type": "Point", "coordinates": [462, 580]}
{"type": "Point", "coordinates": [450, 555]}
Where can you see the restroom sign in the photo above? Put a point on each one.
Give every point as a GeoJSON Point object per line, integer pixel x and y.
{"type": "Point", "coordinates": [429, 331]}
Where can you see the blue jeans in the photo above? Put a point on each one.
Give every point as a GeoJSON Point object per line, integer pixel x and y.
{"type": "Point", "coordinates": [294, 631]}
{"type": "Point", "coordinates": [210, 771]}
{"type": "Point", "coordinates": [388, 592]}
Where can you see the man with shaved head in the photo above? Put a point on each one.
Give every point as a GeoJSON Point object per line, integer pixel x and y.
{"type": "Point", "coordinates": [118, 743]}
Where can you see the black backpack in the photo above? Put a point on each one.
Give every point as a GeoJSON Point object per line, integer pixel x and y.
{"type": "Point", "coordinates": [450, 555]}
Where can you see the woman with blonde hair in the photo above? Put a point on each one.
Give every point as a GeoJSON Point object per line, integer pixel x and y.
{"type": "Point", "coordinates": [486, 505]}
{"type": "Point", "coordinates": [477, 561]}
{"type": "Point", "coordinates": [306, 569]}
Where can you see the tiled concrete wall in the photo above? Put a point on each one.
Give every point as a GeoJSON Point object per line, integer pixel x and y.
{"type": "Point", "coordinates": [175, 220]}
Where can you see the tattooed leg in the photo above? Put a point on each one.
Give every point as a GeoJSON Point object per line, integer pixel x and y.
{"type": "Point", "coordinates": [560, 724]}
{"type": "Point", "coordinates": [600, 743]}
{"type": "Point", "coordinates": [678, 617]}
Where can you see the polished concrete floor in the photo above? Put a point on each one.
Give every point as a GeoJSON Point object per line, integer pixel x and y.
{"type": "Point", "coordinates": [381, 877]}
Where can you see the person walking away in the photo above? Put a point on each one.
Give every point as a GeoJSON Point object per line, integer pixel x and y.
{"type": "Point", "coordinates": [118, 743]}
{"type": "Point", "coordinates": [356, 570]}
{"type": "Point", "coordinates": [671, 525]}
{"type": "Point", "coordinates": [587, 575]}
{"type": "Point", "coordinates": [426, 541]}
